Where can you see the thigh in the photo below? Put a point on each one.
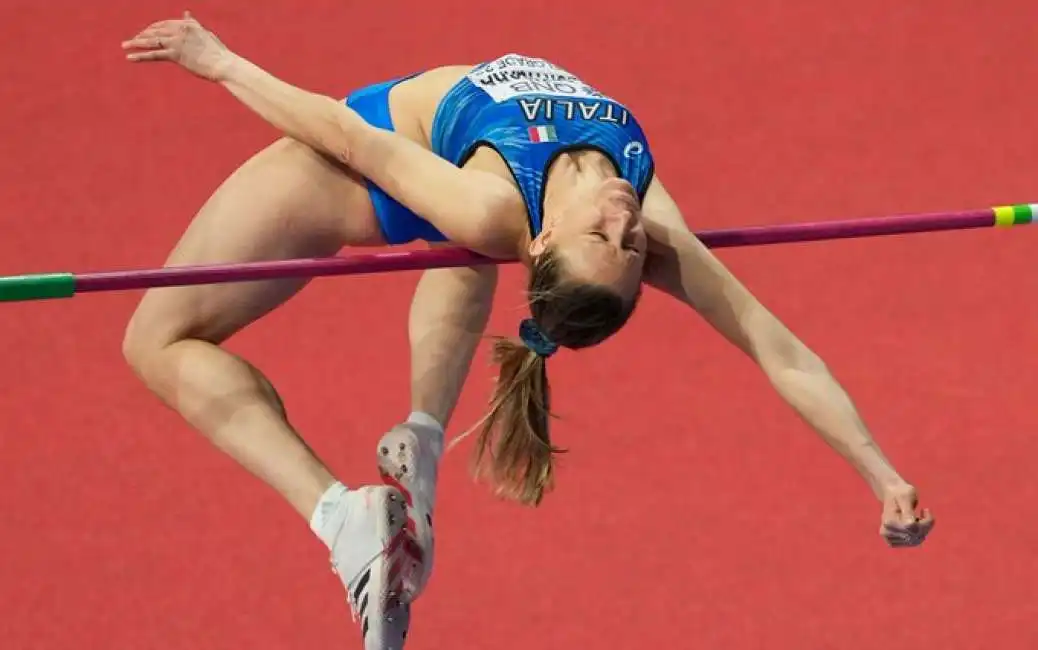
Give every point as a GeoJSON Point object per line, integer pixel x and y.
{"type": "Point", "coordinates": [286, 202]}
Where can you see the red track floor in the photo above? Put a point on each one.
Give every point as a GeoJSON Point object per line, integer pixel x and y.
{"type": "Point", "coordinates": [695, 510]}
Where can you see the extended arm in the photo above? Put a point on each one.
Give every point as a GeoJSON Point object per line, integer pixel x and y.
{"type": "Point", "coordinates": [463, 204]}
{"type": "Point", "coordinates": [680, 265]}
{"type": "Point", "coordinates": [449, 197]}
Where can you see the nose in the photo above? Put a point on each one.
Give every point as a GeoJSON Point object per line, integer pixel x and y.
{"type": "Point", "coordinates": [626, 214]}
{"type": "Point", "coordinates": [628, 221]}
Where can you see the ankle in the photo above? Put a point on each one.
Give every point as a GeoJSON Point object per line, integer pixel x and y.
{"type": "Point", "coordinates": [327, 516]}
{"type": "Point", "coordinates": [424, 419]}
{"type": "Point", "coordinates": [429, 428]}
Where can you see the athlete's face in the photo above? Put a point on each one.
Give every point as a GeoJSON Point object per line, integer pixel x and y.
{"type": "Point", "coordinates": [600, 238]}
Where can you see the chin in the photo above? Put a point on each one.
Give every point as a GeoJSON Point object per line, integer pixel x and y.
{"type": "Point", "coordinates": [619, 185]}
{"type": "Point", "coordinates": [624, 196]}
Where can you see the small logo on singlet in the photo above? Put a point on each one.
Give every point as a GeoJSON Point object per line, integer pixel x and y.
{"type": "Point", "coordinates": [542, 134]}
{"type": "Point", "coordinates": [634, 148]}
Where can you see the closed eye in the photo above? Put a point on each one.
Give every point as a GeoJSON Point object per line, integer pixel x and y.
{"type": "Point", "coordinates": [630, 244]}
{"type": "Point", "coordinates": [627, 245]}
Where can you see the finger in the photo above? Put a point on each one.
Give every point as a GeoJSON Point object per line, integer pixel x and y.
{"type": "Point", "coordinates": [908, 524]}
{"type": "Point", "coordinates": [906, 508]}
{"type": "Point", "coordinates": [898, 537]}
{"type": "Point", "coordinates": [926, 518]}
{"type": "Point", "coordinates": [925, 525]}
{"type": "Point", "coordinates": [901, 533]}
{"type": "Point", "coordinates": [897, 533]}
{"type": "Point", "coordinates": [896, 542]}
{"type": "Point", "coordinates": [151, 55]}
{"type": "Point", "coordinates": [904, 543]}
{"type": "Point", "coordinates": [891, 509]}
{"type": "Point", "coordinates": [165, 25]}
{"type": "Point", "coordinates": [153, 33]}
{"type": "Point", "coordinates": [898, 528]}
{"type": "Point", "coordinates": [166, 28]}
{"type": "Point", "coordinates": [144, 43]}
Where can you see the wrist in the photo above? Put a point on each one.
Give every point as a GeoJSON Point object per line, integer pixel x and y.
{"type": "Point", "coordinates": [882, 479]}
{"type": "Point", "coordinates": [227, 67]}
{"type": "Point", "coordinates": [877, 471]}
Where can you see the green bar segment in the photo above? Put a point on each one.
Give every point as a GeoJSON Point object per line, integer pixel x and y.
{"type": "Point", "coordinates": [1022, 215]}
{"type": "Point", "coordinates": [41, 286]}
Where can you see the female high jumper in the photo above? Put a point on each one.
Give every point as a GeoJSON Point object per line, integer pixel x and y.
{"type": "Point", "coordinates": [514, 158]}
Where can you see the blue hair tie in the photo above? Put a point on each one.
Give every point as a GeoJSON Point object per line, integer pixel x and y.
{"type": "Point", "coordinates": [535, 339]}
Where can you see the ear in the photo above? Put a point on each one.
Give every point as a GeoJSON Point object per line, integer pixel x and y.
{"type": "Point", "coordinates": [539, 243]}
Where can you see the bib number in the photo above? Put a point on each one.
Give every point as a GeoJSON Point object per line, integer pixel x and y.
{"type": "Point", "coordinates": [515, 76]}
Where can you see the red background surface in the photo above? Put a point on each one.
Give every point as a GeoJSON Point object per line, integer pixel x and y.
{"type": "Point", "coordinates": [695, 510]}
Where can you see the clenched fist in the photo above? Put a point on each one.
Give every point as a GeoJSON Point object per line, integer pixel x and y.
{"type": "Point", "coordinates": [903, 523]}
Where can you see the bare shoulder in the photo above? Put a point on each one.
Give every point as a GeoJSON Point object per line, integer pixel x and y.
{"type": "Point", "coordinates": [659, 207]}
{"type": "Point", "coordinates": [678, 263]}
{"type": "Point", "coordinates": [414, 102]}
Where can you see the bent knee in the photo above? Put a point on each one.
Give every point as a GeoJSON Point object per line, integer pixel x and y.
{"type": "Point", "coordinates": [149, 332]}
{"type": "Point", "coordinates": [142, 342]}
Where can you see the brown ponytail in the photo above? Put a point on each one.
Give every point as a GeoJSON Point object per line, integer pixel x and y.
{"type": "Point", "coordinates": [513, 448]}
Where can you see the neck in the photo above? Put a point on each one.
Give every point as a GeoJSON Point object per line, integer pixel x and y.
{"type": "Point", "coordinates": [570, 175]}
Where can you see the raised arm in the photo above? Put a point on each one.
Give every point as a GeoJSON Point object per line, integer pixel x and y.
{"type": "Point", "coordinates": [462, 204]}
{"type": "Point", "coordinates": [681, 266]}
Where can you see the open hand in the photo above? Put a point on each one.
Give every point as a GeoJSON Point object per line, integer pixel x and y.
{"type": "Point", "coordinates": [184, 42]}
{"type": "Point", "coordinates": [903, 523]}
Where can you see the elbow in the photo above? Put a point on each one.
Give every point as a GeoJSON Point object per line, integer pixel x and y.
{"type": "Point", "coordinates": [808, 362]}
{"type": "Point", "coordinates": [345, 135]}
{"type": "Point", "coordinates": [791, 355]}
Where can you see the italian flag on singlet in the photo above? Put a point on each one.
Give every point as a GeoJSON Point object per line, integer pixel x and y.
{"type": "Point", "coordinates": [542, 134]}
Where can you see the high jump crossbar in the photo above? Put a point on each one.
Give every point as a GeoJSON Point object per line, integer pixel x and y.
{"type": "Point", "coordinates": [41, 286]}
